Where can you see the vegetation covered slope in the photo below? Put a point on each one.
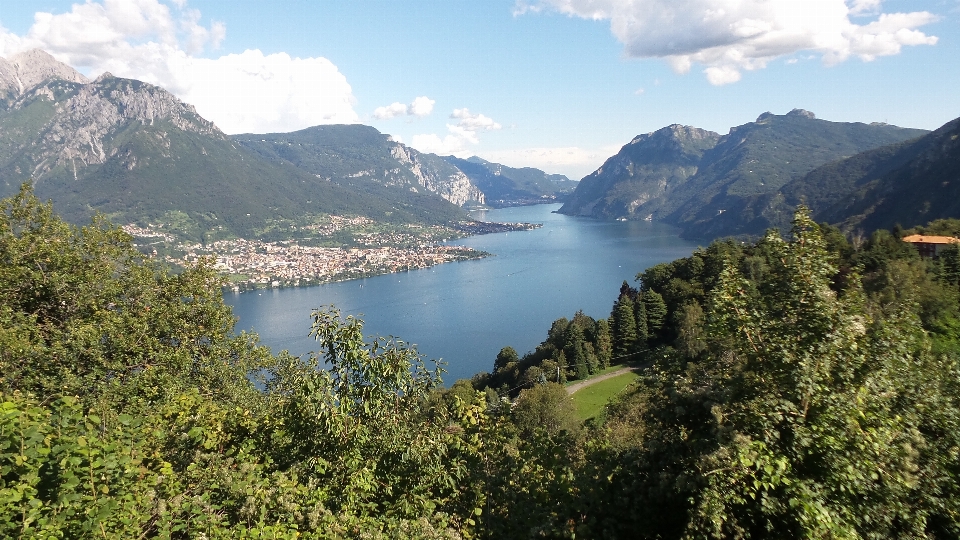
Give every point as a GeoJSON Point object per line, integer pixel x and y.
{"type": "Point", "coordinates": [799, 388]}
{"type": "Point", "coordinates": [362, 158]}
{"type": "Point", "coordinates": [137, 153]}
{"type": "Point", "coordinates": [638, 182]}
{"type": "Point", "coordinates": [908, 182]}
{"type": "Point", "coordinates": [718, 187]}
{"type": "Point", "coordinates": [917, 182]}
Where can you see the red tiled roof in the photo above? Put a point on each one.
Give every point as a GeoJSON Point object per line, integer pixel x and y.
{"type": "Point", "coordinates": [923, 239]}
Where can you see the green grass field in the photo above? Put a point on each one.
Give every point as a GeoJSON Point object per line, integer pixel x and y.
{"type": "Point", "coordinates": [591, 399]}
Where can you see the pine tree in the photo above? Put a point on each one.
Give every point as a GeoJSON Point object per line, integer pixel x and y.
{"type": "Point", "coordinates": [656, 310]}
{"type": "Point", "coordinates": [640, 319]}
{"type": "Point", "coordinates": [576, 352]}
{"type": "Point", "coordinates": [624, 327]}
{"type": "Point", "coordinates": [604, 347]}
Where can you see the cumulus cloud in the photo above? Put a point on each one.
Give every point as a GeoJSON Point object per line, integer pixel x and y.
{"type": "Point", "coordinates": [459, 136]}
{"type": "Point", "coordinates": [728, 37]}
{"type": "Point", "coordinates": [393, 110]}
{"type": "Point", "coordinates": [160, 43]}
{"type": "Point", "coordinates": [573, 161]}
{"type": "Point", "coordinates": [473, 122]}
{"type": "Point", "coordinates": [421, 106]}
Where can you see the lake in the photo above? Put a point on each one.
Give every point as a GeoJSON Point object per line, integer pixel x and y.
{"type": "Point", "coordinates": [465, 312]}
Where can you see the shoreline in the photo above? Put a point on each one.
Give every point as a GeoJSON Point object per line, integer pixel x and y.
{"type": "Point", "coordinates": [339, 278]}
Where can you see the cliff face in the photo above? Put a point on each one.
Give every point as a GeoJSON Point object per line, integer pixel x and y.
{"type": "Point", "coordinates": [23, 71]}
{"type": "Point", "coordinates": [83, 121]}
{"type": "Point", "coordinates": [637, 181]}
{"type": "Point", "coordinates": [438, 176]}
{"type": "Point", "coordinates": [362, 157]}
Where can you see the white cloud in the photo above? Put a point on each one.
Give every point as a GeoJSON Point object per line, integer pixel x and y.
{"type": "Point", "coordinates": [730, 36]}
{"type": "Point", "coordinates": [864, 6]}
{"type": "Point", "coordinates": [459, 136]}
{"type": "Point", "coordinates": [421, 106]}
{"type": "Point", "coordinates": [390, 111]}
{"type": "Point", "coordinates": [573, 161]}
{"type": "Point", "coordinates": [432, 144]}
{"type": "Point", "coordinates": [473, 122]}
{"type": "Point", "coordinates": [160, 43]}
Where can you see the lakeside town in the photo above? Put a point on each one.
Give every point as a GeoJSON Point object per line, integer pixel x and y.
{"type": "Point", "coordinates": [365, 249]}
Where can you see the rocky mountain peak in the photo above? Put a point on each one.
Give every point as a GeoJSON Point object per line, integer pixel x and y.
{"type": "Point", "coordinates": [437, 176]}
{"type": "Point", "coordinates": [802, 113]}
{"type": "Point", "coordinates": [26, 70]}
{"type": "Point", "coordinates": [79, 130]}
{"type": "Point", "coordinates": [676, 133]}
{"type": "Point", "coordinates": [795, 113]}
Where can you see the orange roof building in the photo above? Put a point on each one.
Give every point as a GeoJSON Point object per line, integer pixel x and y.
{"type": "Point", "coordinates": [930, 246]}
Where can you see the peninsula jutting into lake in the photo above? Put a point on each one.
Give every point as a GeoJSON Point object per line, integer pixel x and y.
{"type": "Point", "coordinates": [315, 258]}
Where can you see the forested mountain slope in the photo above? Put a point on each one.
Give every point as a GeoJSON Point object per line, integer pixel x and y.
{"type": "Point", "coordinates": [640, 180]}
{"type": "Point", "coordinates": [137, 153]}
{"type": "Point", "coordinates": [904, 183]}
{"type": "Point", "coordinates": [361, 157]}
{"type": "Point", "coordinates": [708, 190]}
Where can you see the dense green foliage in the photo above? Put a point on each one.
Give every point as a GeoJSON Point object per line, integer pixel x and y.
{"type": "Point", "coordinates": [130, 408]}
{"type": "Point", "coordinates": [793, 388]}
{"type": "Point", "coordinates": [574, 349]}
{"type": "Point", "coordinates": [802, 388]}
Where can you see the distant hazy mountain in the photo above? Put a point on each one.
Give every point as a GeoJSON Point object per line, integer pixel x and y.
{"type": "Point", "coordinates": [714, 186]}
{"type": "Point", "coordinates": [508, 186]}
{"type": "Point", "coordinates": [137, 153]}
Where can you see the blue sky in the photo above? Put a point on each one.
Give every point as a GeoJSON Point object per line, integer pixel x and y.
{"type": "Point", "coordinates": [555, 84]}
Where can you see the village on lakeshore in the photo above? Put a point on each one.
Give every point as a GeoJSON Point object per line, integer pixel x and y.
{"type": "Point", "coordinates": [257, 264]}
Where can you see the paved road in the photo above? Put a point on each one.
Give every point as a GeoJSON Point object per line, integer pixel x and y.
{"type": "Point", "coordinates": [583, 384]}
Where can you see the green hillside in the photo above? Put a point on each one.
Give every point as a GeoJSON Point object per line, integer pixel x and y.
{"type": "Point", "coordinates": [134, 152]}
{"type": "Point", "coordinates": [906, 184]}
{"type": "Point", "coordinates": [714, 186]}
{"type": "Point", "coordinates": [761, 157]}
{"type": "Point", "coordinates": [639, 180]}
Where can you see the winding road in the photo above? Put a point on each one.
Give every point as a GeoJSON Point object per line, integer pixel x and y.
{"type": "Point", "coordinates": [583, 384]}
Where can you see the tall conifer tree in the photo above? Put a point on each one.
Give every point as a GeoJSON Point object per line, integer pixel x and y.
{"type": "Point", "coordinates": [625, 327]}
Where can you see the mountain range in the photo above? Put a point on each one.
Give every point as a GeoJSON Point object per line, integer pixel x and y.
{"type": "Point", "coordinates": [136, 153]}
{"type": "Point", "coordinates": [754, 177]}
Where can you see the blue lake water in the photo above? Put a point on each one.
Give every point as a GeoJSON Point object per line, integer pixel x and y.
{"type": "Point", "coordinates": [464, 313]}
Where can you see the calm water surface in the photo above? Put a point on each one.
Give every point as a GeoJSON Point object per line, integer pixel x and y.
{"type": "Point", "coordinates": [464, 313]}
